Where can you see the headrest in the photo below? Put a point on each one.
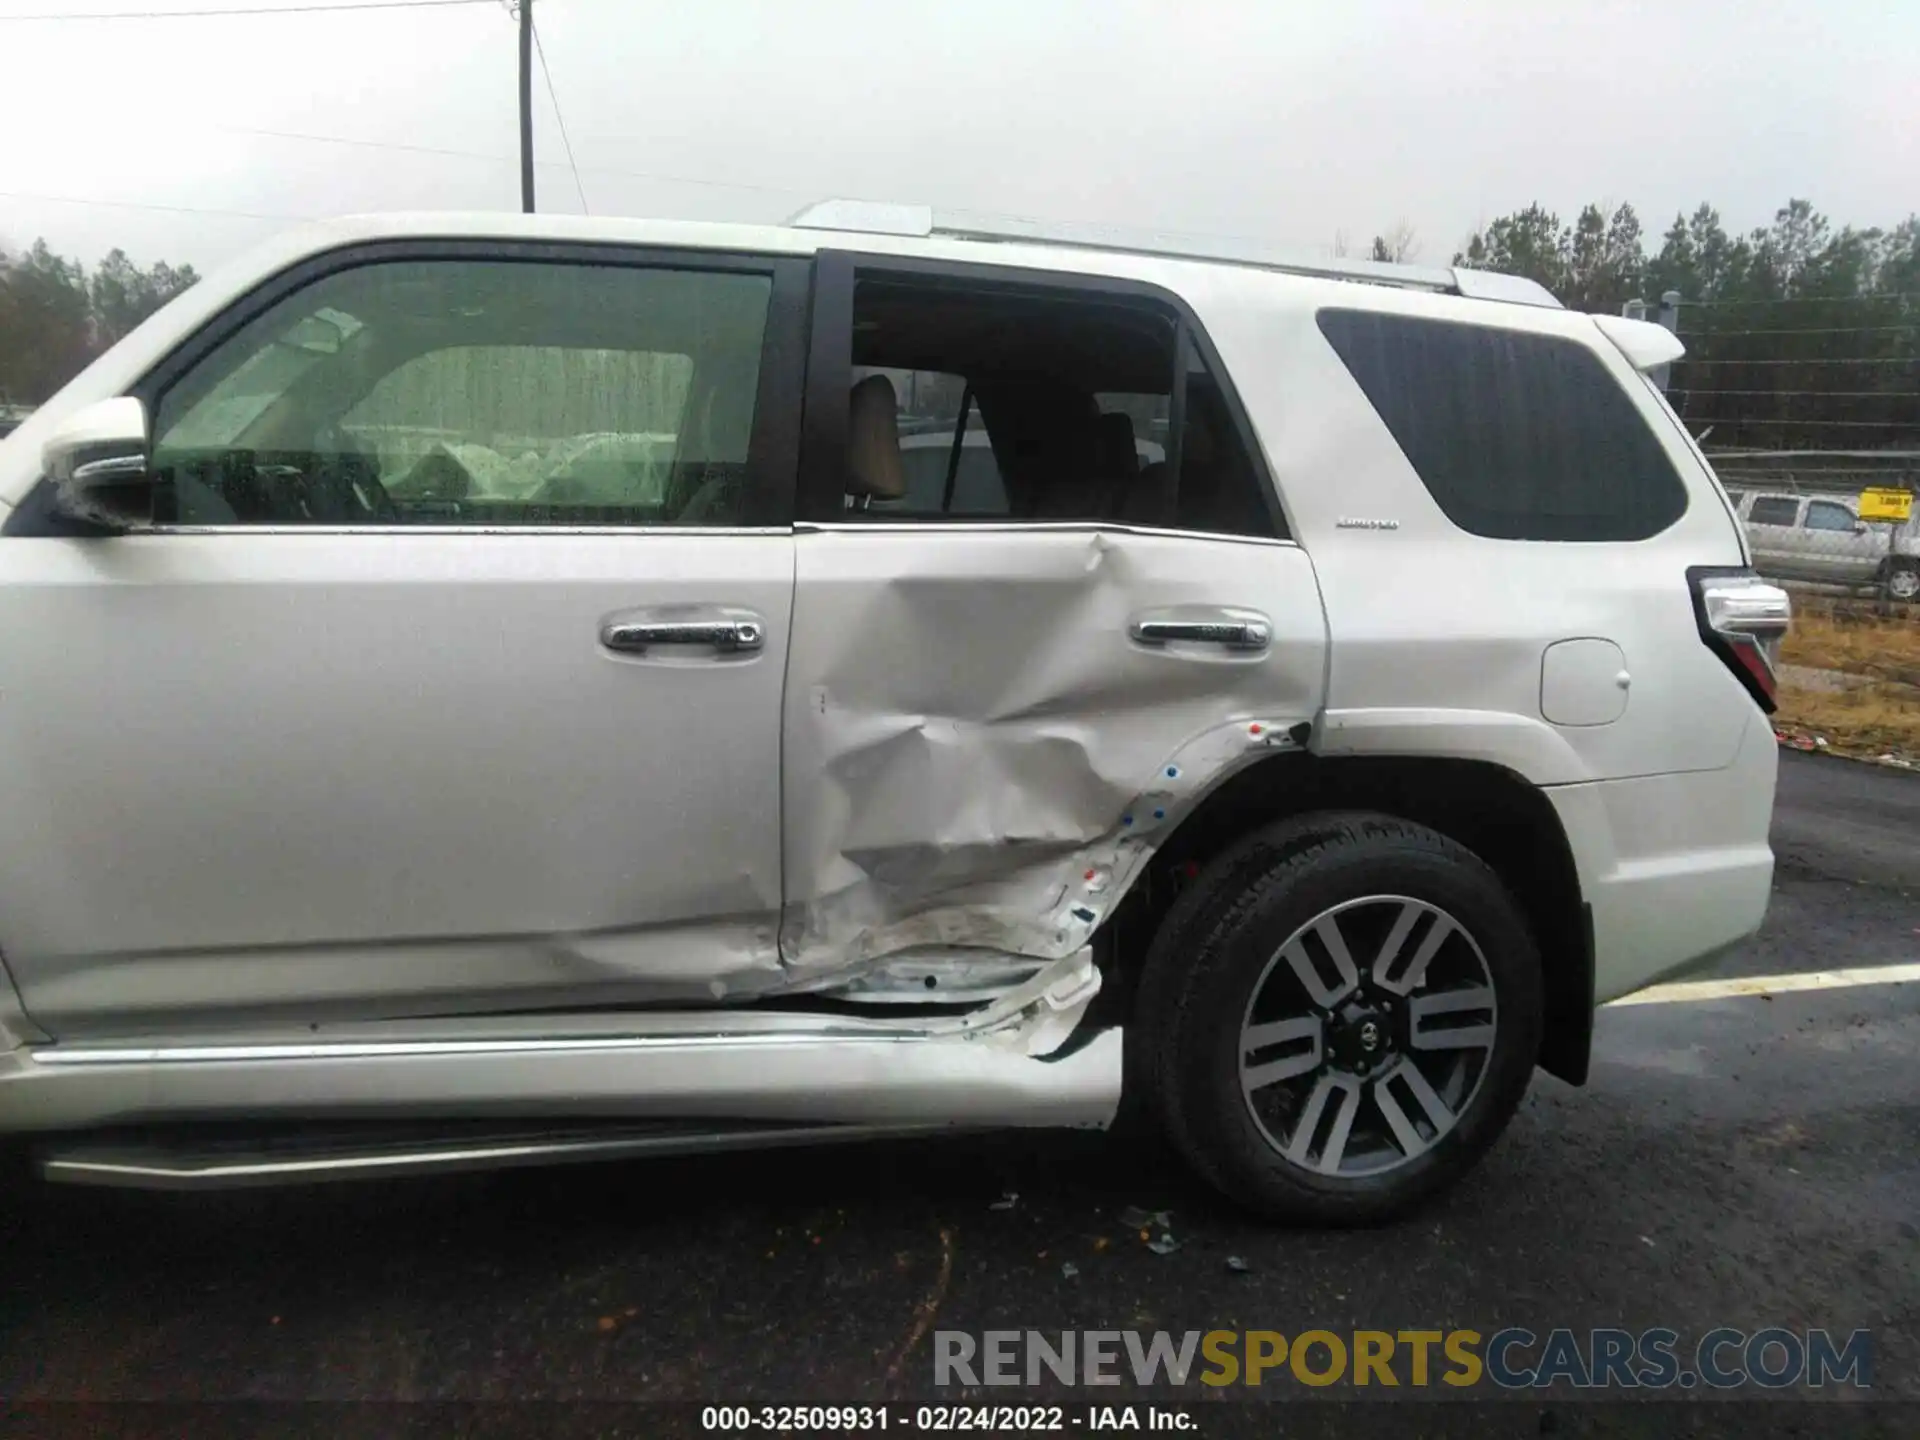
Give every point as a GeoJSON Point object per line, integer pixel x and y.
{"type": "Point", "coordinates": [873, 442]}
{"type": "Point", "coordinates": [1113, 441]}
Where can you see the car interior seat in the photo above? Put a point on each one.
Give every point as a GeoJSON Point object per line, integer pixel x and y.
{"type": "Point", "coordinates": [875, 470]}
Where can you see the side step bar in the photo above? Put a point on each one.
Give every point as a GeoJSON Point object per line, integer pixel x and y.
{"type": "Point", "coordinates": [213, 1162]}
{"type": "Point", "coordinates": [1023, 1060]}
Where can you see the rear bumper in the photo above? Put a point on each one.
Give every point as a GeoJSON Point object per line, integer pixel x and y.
{"type": "Point", "coordinates": [1676, 868]}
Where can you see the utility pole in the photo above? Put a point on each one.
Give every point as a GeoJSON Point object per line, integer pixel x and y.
{"type": "Point", "coordinates": [1667, 317]}
{"type": "Point", "coordinates": [526, 106]}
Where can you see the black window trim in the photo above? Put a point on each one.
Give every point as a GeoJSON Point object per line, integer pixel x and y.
{"type": "Point", "coordinates": [823, 443]}
{"type": "Point", "coordinates": [773, 448]}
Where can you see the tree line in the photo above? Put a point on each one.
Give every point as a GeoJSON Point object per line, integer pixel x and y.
{"type": "Point", "coordinates": [56, 315]}
{"type": "Point", "coordinates": [1800, 335]}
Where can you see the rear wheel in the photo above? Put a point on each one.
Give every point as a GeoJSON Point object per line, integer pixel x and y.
{"type": "Point", "coordinates": [1342, 1014]}
{"type": "Point", "coordinates": [1903, 580]}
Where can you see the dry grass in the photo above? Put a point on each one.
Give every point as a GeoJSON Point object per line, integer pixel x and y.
{"type": "Point", "coordinates": [1836, 637]}
{"type": "Point", "coordinates": [1878, 716]}
{"type": "Point", "coordinates": [1875, 719]}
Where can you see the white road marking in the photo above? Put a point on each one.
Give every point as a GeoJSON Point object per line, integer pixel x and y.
{"type": "Point", "coordinates": [1771, 984]}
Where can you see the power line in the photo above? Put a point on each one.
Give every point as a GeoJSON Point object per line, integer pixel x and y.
{"type": "Point", "coordinates": [1869, 296]}
{"type": "Point", "coordinates": [1796, 424]}
{"type": "Point", "coordinates": [579, 189]}
{"type": "Point", "coordinates": [334, 6]}
{"type": "Point", "coordinates": [508, 160]}
{"type": "Point", "coordinates": [370, 144]}
{"type": "Point", "coordinates": [1813, 394]}
{"type": "Point", "coordinates": [1808, 330]}
{"type": "Point", "coordinates": [491, 159]}
{"type": "Point", "coordinates": [1719, 454]}
{"type": "Point", "coordinates": [1856, 360]}
{"type": "Point", "coordinates": [142, 205]}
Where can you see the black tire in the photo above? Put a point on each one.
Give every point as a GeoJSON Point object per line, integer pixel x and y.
{"type": "Point", "coordinates": [1213, 949]}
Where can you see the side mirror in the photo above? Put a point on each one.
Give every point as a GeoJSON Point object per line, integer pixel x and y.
{"type": "Point", "coordinates": [97, 461]}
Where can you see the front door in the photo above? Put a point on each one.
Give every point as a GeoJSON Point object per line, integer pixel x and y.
{"type": "Point", "coordinates": [1840, 547]}
{"type": "Point", "coordinates": [448, 679]}
{"type": "Point", "coordinates": [1001, 693]}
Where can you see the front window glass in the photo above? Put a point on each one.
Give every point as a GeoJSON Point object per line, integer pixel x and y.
{"type": "Point", "coordinates": [482, 392]}
{"type": "Point", "coordinates": [1829, 515]}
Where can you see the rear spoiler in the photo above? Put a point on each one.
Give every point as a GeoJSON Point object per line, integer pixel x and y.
{"type": "Point", "coordinates": [1647, 346]}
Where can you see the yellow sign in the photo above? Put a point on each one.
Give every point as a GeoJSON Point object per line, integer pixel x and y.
{"type": "Point", "coordinates": [1886, 504]}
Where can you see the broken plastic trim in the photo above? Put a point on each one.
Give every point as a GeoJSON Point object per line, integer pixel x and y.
{"type": "Point", "coordinates": [1038, 1016]}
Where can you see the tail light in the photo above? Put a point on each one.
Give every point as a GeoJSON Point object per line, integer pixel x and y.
{"type": "Point", "coordinates": [1743, 619]}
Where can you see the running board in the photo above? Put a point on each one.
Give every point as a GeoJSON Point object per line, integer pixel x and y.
{"type": "Point", "coordinates": [1024, 1060]}
{"type": "Point", "coordinates": [193, 1161]}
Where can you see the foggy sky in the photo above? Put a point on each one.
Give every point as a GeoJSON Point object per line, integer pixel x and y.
{"type": "Point", "coordinates": [1286, 121]}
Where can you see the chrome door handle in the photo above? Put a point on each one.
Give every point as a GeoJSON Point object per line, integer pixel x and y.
{"type": "Point", "coordinates": [1228, 629]}
{"type": "Point", "coordinates": [730, 637]}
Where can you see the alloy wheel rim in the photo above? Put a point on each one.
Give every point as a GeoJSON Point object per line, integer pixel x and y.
{"type": "Point", "coordinates": [1904, 584]}
{"type": "Point", "coordinates": [1367, 1036]}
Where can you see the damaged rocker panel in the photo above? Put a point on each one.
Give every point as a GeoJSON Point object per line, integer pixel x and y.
{"type": "Point", "coordinates": [1005, 1063]}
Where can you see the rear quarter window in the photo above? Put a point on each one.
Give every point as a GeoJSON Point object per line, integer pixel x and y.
{"type": "Point", "coordinates": [1517, 436]}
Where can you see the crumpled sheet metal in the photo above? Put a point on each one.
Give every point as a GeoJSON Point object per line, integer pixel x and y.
{"type": "Point", "coordinates": [979, 756]}
{"type": "Point", "coordinates": [949, 977]}
{"type": "Point", "coordinates": [1036, 1017]}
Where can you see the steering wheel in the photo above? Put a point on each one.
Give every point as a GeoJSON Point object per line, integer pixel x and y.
{"type": "Point", "coordinates": [352, 482]}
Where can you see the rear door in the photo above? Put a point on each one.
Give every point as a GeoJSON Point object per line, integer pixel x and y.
{"type": "Point", "coordinates": [990, 717]}
{"type": "Point", "coordinates": [448, 678]}
{"type": "Point", "coordinates": [1774, 535]}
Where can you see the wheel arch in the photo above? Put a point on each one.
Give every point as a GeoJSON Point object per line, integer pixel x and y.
{"type": "Point", "coordinates": [1498, 815]}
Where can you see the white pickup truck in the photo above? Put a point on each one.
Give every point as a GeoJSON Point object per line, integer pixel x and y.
{"type": "Point", "coordinates": [1823, 538]}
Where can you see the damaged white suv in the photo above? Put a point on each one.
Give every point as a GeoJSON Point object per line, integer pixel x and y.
{"type": "Point", "coordinates": [481, 689]}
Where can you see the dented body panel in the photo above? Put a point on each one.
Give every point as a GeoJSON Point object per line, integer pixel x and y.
{"type": "Point", "coordinates": [978, 751]}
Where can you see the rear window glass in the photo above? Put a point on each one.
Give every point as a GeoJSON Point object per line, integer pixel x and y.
{"type": "Point", "coordinates": [1768, 510]}
{"type": "Point", "coordinates": [1517, 436]}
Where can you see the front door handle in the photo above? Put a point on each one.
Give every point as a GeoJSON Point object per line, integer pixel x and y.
{"type": "Point", "coordinates": [728, 635]}
{"type": "Point", "coordinates": [1225, 627]}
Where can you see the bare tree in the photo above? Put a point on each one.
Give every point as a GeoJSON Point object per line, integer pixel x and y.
{"type": "Point", "coordinates": [1398, 245]}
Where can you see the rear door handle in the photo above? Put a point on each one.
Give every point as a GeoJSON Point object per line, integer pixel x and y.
{"type": "Point", "coordinates": [731, 634]}
{"type": "Point", "coordinates": [1225, 627]}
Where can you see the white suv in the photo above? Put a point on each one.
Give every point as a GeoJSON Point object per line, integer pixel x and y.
{"type": "Point", "coordinates": [461, 702]}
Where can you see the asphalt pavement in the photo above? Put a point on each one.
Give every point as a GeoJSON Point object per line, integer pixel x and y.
{"type": "Point", "coordinates": [1744, 1162]}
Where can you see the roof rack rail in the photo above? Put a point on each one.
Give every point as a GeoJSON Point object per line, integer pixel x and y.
{"type": "Point", "coordinates": [870, 217]}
